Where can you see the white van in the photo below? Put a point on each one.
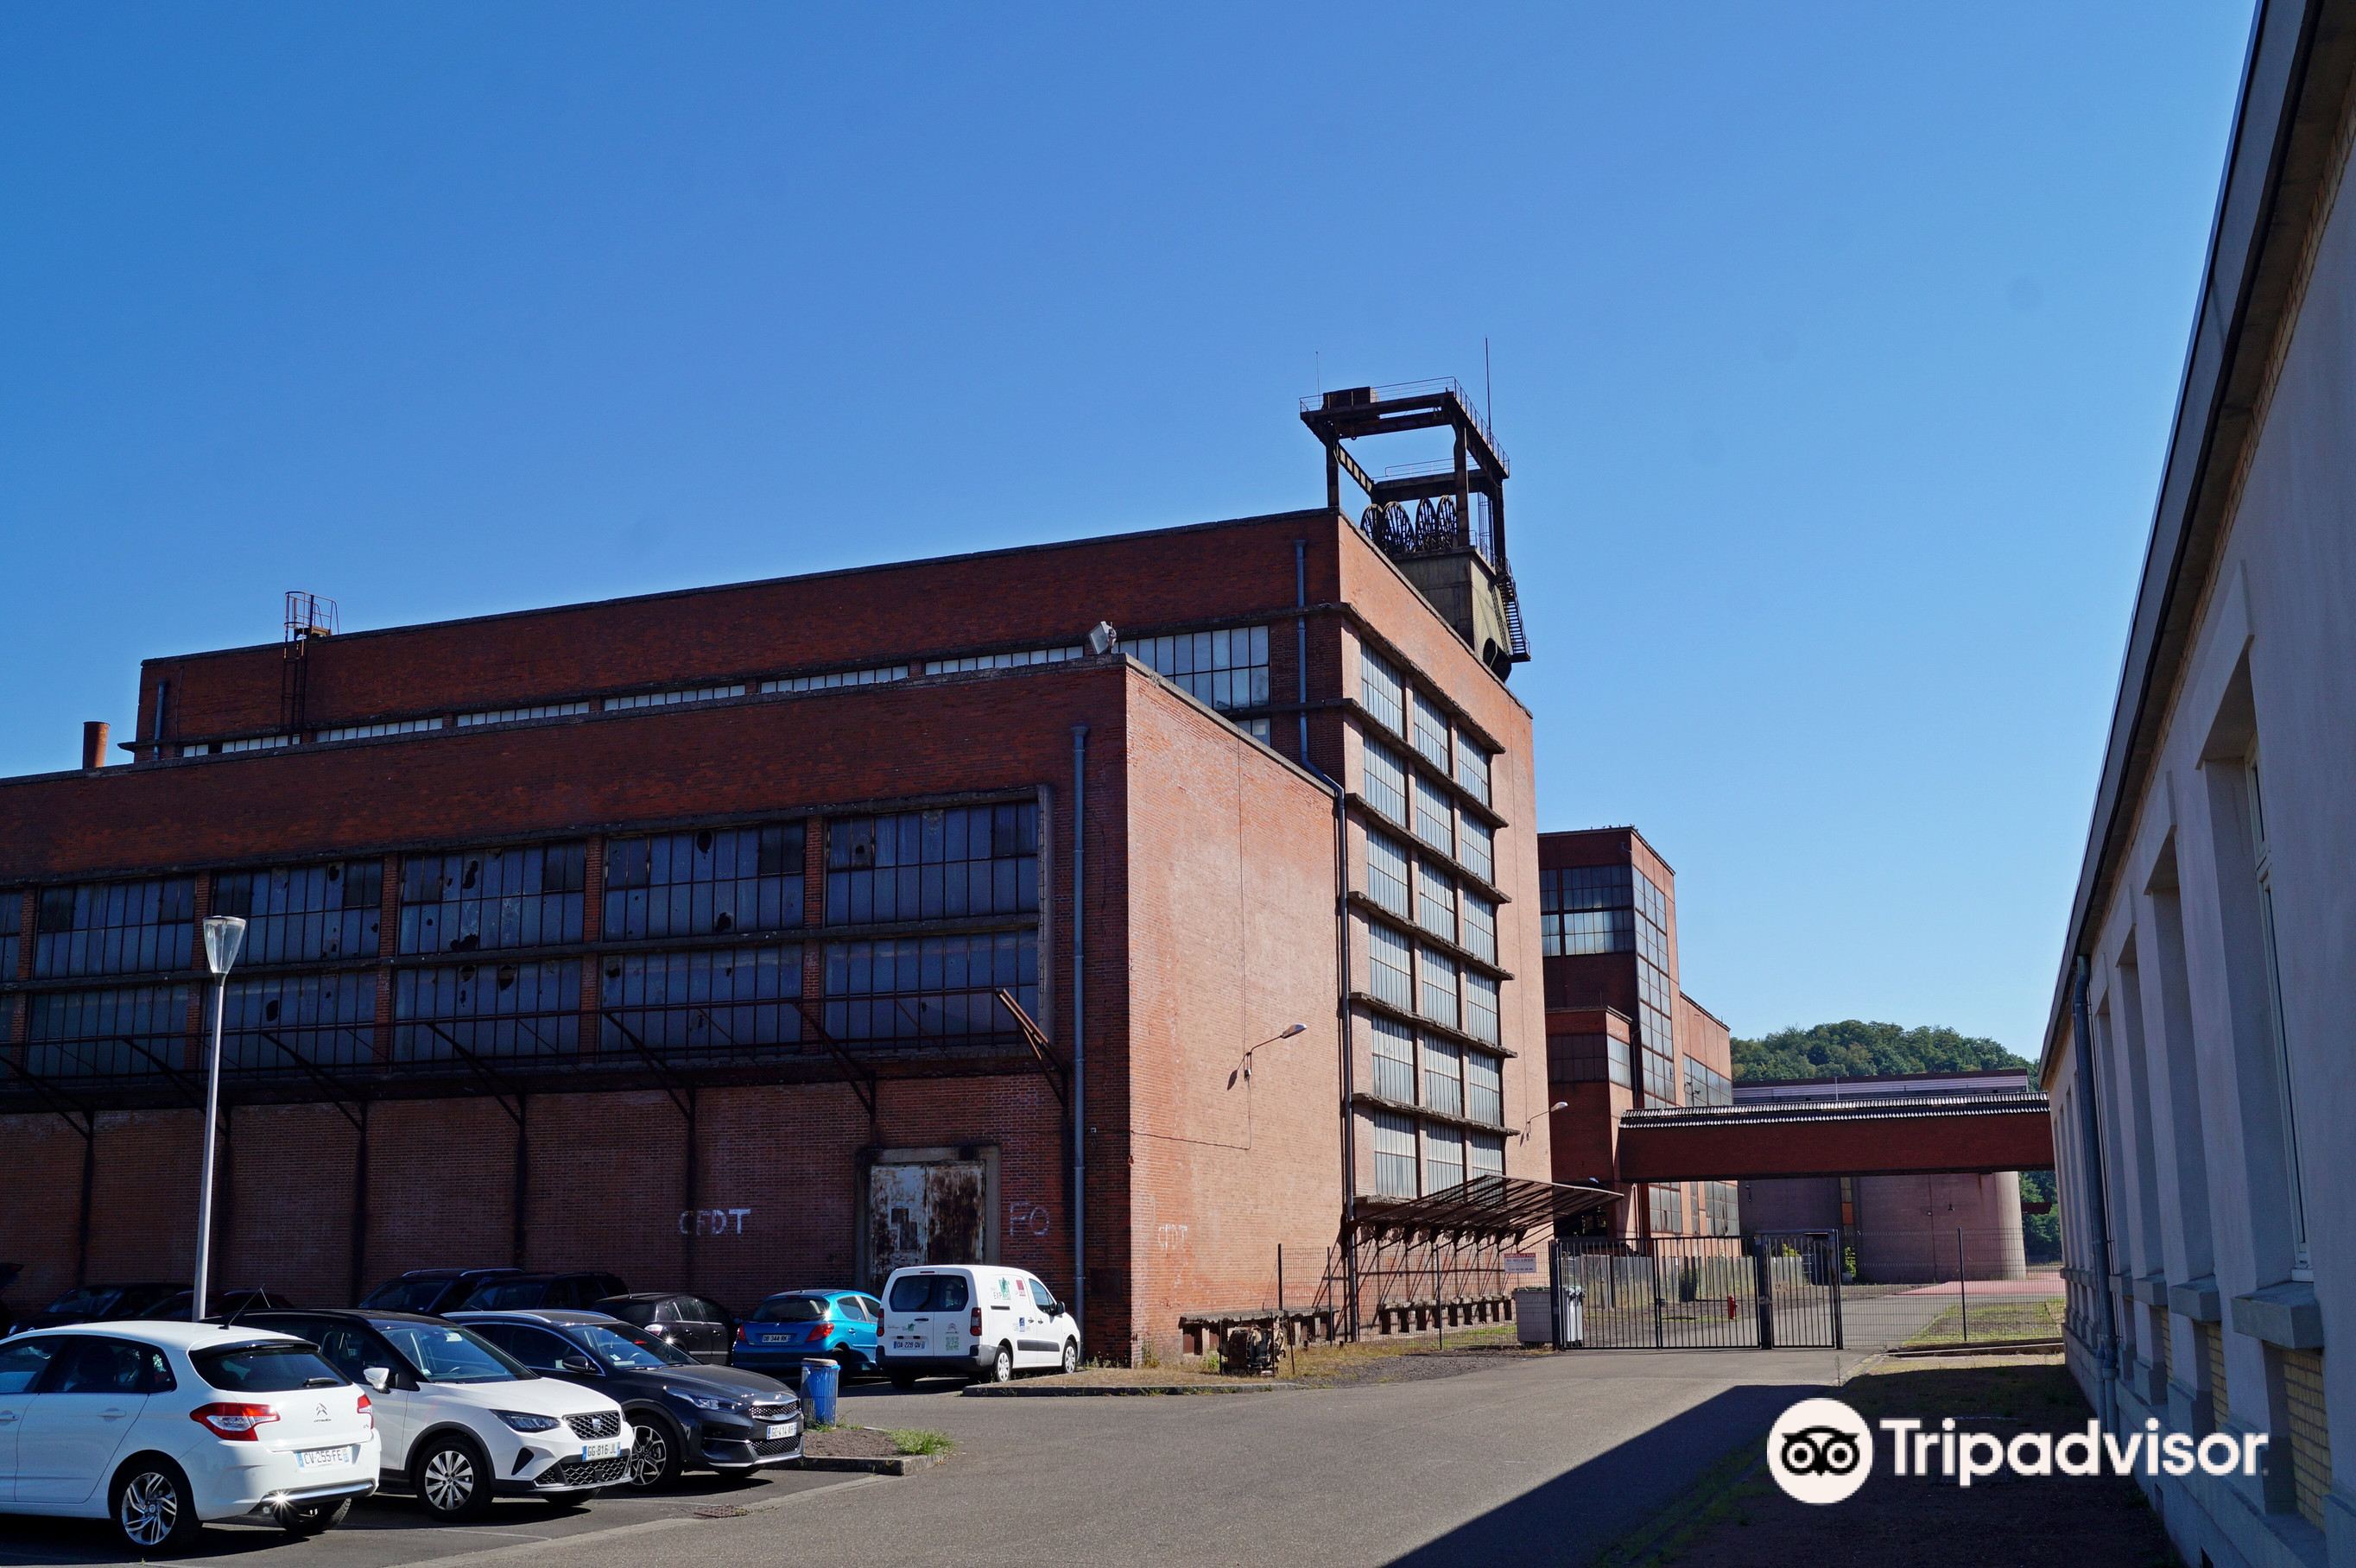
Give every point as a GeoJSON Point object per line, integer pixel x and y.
{"type": "Point", "coordinates": [972, 1320]}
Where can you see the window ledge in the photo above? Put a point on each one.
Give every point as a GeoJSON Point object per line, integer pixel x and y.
{"type": "Point", "coordinates": [2152, 1289]}
{"type": "Point", "coordinates": [1425, 1113]}
{"type": "Point", "coordinates": [1407, 926]}
{"type": "Point", "coordinates": [2285, 1314]}
{"type": "Point", "coordinates": [1413, 1020]}
{"type": "Point", "coordinates": [2195, 1299]}
{"type": "Point", "coordinates": [1369, 814]}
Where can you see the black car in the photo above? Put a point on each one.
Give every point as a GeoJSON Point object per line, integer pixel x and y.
{"type": "Point", "coordinates": [230, 1306]}
{"type": "Point", "coordinates": [696, 1324]}
{"type": "Point", "coordinates": [539, 1292]}
{"type": "Point", "coordinates": [103, 1304]}
{"type": "Point", "coordinates": [428, 1290]}
{"type": "Point", "coordinates": [682, 1413]}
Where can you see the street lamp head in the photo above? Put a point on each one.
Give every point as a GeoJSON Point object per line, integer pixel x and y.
{"type": "Point", "coordinates": [1296, 1028]}
{"type": "Point", "coordinates": [1559, 1105]}
{"type": "Point", "coordinates": [224, 935]}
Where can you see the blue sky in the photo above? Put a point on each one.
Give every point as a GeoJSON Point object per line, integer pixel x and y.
{"type": "Point", "coordinates": [1834, 346]}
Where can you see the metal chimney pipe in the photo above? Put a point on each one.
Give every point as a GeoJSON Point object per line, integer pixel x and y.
{"type": "Point", "coordinates": [94, 743]}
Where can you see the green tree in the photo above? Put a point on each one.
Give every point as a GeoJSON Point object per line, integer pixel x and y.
{"type": "Point", "coordinates": [1854, 1049]}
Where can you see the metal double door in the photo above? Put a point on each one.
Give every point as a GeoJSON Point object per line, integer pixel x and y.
{"type": "Point", "coordinates": [1774, 1290]}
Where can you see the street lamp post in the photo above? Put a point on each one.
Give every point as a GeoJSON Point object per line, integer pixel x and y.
{"type": "Point", "coordinates": [1559, 1105]}
{"type": "Point", "coordinates": [224, 935]}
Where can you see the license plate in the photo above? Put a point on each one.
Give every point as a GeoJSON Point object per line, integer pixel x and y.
{"type": "Point", "coordinates": [312, 1458]}
{"type": "Point", "coordinates": [783, 1429]}
{"type": "Point", "coordinates": [608, 1449]}
{"type": "Point", "coordinates": [777, 1338]}
{"type": "Point", "coordinates": [906, 1344]}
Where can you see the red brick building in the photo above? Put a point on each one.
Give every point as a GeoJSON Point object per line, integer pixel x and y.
{"type": "Point", "coordinates": [1621, 1032]}
{"type": "Point", "coordinates": [665, 934]}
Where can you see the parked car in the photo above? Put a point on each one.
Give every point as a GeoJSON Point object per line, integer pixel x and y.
{"type": "Point", "coordinates": [793, 1326]}
{"type": "Point", "coordinates": [160, 1426]}
{"type": "Point", "coordinates": [226, 1307]}
{"type": "Point", "coordinates": [428, 1290]}
{"type": "Point", "coordinates": [696, 1324]}
{"type": "Point", "coordinates": [682, 1413]}
{"type": "Point", "coordinates": [463, 1421]}
{"type": "Point", "coordinates": [535, 1292]}
{"type": "Point", "coordinates": [99, 1304]}
{"type": "Point", "coordinates": [976, 1321]}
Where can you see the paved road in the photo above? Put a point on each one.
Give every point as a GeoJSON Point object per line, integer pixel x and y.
{"type": "Point", "coordinates": [1567, 1451]}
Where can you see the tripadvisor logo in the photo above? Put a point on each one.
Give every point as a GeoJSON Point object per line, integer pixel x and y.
{"type": "Point", "coordinates": [1821, 1451]}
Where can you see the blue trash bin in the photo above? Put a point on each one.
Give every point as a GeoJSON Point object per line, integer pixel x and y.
{"type": "Point", "coordinates": [821, 1381]}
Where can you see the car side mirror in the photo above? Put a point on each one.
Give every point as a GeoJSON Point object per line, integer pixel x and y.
{"type": "Point", "coordinates": [581, 1365]}
{"type": "Point", "coordinates": [378, 1378]}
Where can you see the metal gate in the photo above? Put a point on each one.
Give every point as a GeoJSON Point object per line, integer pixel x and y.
{"type": "Point", "coordinates": [1775, 1290]}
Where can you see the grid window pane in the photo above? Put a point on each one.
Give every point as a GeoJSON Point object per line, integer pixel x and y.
{"type": "Point", "coordinates": [711, 1001]}
{"type": "Point", "coordinates": [1485, 1087]}
{"type": "Point", "coordinates": [1389, 966]}
{"type": "Point", "coordinates": [1660, 1077]}
{"type": "Point", "coordinates": [1014, 660]}
{"type": "Point", "coordinates": [1484, 1155]}
{"type": "Point", "coordinates": [488, 1009]}
{"type": "Point", "coordinates": [522, 896]}
{"type": "Point", "coordinates": [1477, 849]}
{"type": "Point", "coordinates": [1394, 1141]}
{"type": "Point", "coordinates": [127, 1032]}
{"type": "Point", "coordinates": [273, 1025]}
{"type": "Point", "coordinates": [1386, 874]}
{"type": "Point", "coordinates": [1586, 909]}
{"type": "Point", "coordinates": [1472, 768]}
{"type": "Point", "coordinates": [1381, 691]}
{"type": "Point", "coordinates": [1590, 1058]}
{"type": "Point", "coordinates": [115, 928]}
{"type": "Point", "coordinates": [12, 925]}
{"type": "Point", "coordinates": [1435, 901]}
{"type": "Point", "coordinates": [1227, 668]}
{"type": "Point", "coordinates": [1394, 1053]}
{"type": "Point", "coordinates": [1432, 731]}
{"type": "Point", "coordinates": [933, 988]}
{"type": "Point", "coordinates": [1705, 1086]}
{"type": "Point", "coordinates": [1382, 780]}
{"type": "Point", "coordinates": [1481, 1006]}
{"type": "Point", "coordinates": [1444, 1076]}
{"type": "Point", "coordinates": [704, 884]}
{"type": "Point", "coordinates": [933, 865]}
{"type": "Point", "coordinates": [1436, 989]}
{"type": "Point", "coordinates": [299, 914]}
{"type": "Point", "coordinates": [1443, 1160]}
{"type": "Point", "coordinates": [1435, 816]}
{"type": "Point", "coordinates": [1479, 927]}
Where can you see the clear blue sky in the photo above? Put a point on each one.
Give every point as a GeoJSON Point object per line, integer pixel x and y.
{"type": "Point", "coordinates": [1834, 346]}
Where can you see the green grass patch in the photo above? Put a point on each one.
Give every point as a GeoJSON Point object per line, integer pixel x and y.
{"type": "Point", "coordinates": [2037, 1317]}
{"type": "Point", "coordinates": [917, 1440]}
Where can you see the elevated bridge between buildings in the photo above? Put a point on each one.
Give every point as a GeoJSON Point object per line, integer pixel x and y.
{"type": "Point", "coordinates": [1840, 1132]}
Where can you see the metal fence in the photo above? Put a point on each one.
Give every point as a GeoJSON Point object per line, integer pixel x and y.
{"type": "Point", "coordinates": [1774, 1290]}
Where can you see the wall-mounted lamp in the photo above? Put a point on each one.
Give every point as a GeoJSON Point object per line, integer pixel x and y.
{"type": "Point", "coordinates": [1550, 1110]}
{"type": "Point", "coordinates": [1290, 1031]}
{"type": "Point", "coordinates": [1102, 638]}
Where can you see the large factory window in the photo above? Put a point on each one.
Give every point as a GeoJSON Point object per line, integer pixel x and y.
{"type": "Point", "coordinates": [1443, 1160]}
{"type": "Point", "coordinates": [272, 1025]}
{"type": "Point", "coordinates": [1381, 691]}
{"type": "Point", "coordinates": [1394, 1057]}
{"type": "Point", "coordinates": [1484, 1155]}
{"type": "Point", "coordinates": [704, 884]}
{"type": "Point", "coordinates": [116, 928]}
{"type": "Point", "coordinates": [1444, 1076]}
{"type": "Point", "coordinates": [1435, 816]}
{"type": "Point", "coordinates": [523, 896]}
{"type": "Point", "coordinates": [1479, 927]}
{"type": "Point", "coordinates": [1432, 731]}
{"type": "Point", "coordinates": [487, 1010]}
{"type": "Point", "coordinates": [1477, 849]}
{"type": "Point", "coordinates": [11, 924]}
{"type": "Point", "coordinates": [1387, 872]}
{"type": "Point", "coordinates": [1389, 966]}
{"type": "Point", "coordinates": [1472, 768]}
{"type": "Point", "coordinates": [1382, 780]}
{"type": "Point", "coordinates": [1485, 1087]}
{"type": "Point", "coordinates": [933, 987]}
{"type": "Point", "coordinates": [1435, 901]}
{"type": "Point", "coordinates": [1227, 668]}
{"type": "Point", "coordinates": [1480, 1008]}
{"type": "Point", "coordinates": [945, 864]}
{"type": "Point", "coordinates": [1586, 909]}
{"type": "Point", "coordinates": [1393, 1143]}
{"type": "Point", "coordinates": [298, 914]}
{"type": "Point", "coordinates": [106, 1034]}
{"type": "Point", "coordinates": [1437, 977]}
{"type": "Point", "coordinates": [712, 1000]}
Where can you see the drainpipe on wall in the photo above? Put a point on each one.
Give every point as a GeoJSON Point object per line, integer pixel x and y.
{"type": "Point", "coordinates": [1079, 1052]}
{"type": "Point", "coordinates": [2098, 1218]}
{"type": "Point", "coordinates": [1349, 1053]}
{"type": "Point", "coordinates": [1300, 637]}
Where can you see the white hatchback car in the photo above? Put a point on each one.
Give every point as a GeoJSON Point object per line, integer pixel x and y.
{"type": "Point", "coordinates": [159, 1426]}
{"type": "Point", "coordinates": [463, 1421]}
{"type": "Point", "coordinates": [972, 1320]}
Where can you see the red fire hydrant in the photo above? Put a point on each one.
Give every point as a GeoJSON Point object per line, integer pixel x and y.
{"type": "Point", "coordinates": [1730, 1309]}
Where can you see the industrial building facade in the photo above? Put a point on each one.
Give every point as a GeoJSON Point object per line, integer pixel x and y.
{"type": "Point", "coordinates": [2197, 1055]}
{"type": "Point", "coordinates": [675, 936]}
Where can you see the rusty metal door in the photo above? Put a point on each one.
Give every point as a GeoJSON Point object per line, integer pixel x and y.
{"type": "Point", "coordinates": [923, 1213]}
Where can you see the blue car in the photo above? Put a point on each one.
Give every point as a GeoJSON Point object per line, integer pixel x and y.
{"type": "Point", "coordinates": [793, 1326]}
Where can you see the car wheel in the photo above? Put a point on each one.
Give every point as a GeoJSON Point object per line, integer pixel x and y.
{"type": "Point", "coordinates": [657, 1452]}
{"type": "Point", "coordinates": [152, 1508]}
{"type": "Point", "coordinates": [1071, 1356]}
{"type": "Point", "coordinates": [315, 1519]}
{"type": "Point", "coordinates": [852, 1362]}
{"type": "Point", "coordinates": [451, 1479]}
{"type": "Point", "coordinates": [1001, 1367]}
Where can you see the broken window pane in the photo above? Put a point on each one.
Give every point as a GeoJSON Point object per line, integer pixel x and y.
{"type": "Point", "coordinates": [707, 1003]}
{"type": "Point", "coordinates": [129, 1032]}
{"type": "Point", "coordinates": [705, 882]}
{"type": "Point", "coordinates": [488, 1009]}
{"type": "Point", "coordinates": [934, 987]}
{"type": "Point", "coordinates": [947, 864]}
{"type": "Point", "coordinates": [328, 1020]}
{"type": "Point", "coordinates": [521, 896]}
{"type": "Point", "coordinates": [296, 913]}
{"type": "Point", "coordinates": [116, 928]}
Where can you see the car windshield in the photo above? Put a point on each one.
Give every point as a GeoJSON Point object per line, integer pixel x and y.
{"type": "Point", "coordinates": [90, 1299]}
{"type": "Point", "coordinates": [406, 1295]}
{"type": "Point", "coordinates": [507, 1296]}
{"type": "Point", "coordinates": [629, 1353]}
{"type": "Point", "coordinates": [265, 1368]}
{"type": "Point", "coordinates": [444, 1353]}
{"type": "Point", "coordinates": [791, 1309]}
{"type": "Point", "coordinates": [928, 1293]}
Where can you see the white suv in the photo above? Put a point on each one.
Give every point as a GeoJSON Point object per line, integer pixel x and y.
{"type": "Point", "coordinates": [975, 1321]}
{"type": "Point", "coordinates": [463, 1421]}
{"type": "Point", "coordinates": [160, 1426]}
